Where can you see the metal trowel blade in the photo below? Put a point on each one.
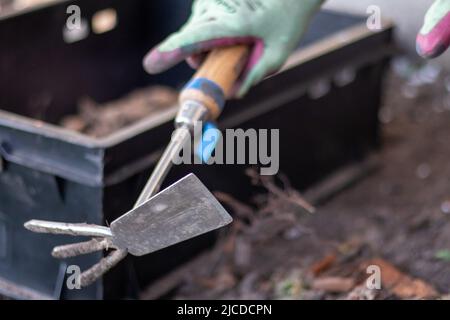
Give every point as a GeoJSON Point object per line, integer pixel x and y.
{"type": "Point", "coordinates": [183, 211]}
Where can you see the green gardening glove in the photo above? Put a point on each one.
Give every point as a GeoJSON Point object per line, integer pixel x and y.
{"type": "Point", "coordinates": [273, 28]}
{"type": "Point", "coordinates": [434, 37]}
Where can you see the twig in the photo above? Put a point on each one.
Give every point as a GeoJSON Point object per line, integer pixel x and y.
{"type": "Point", "coordinates": [288, 194]}
{"type": "Point", "coordinates": [242, 210]}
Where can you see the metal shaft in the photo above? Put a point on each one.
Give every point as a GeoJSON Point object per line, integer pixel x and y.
{"type": "Point", "coordinates": [189, 114]}
{"type": "Point", "coordinates": [180, 137]}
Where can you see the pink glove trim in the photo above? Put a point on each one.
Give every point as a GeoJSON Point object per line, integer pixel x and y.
{"type": "Point", "coordinates": [437, 41]}
{"type": "Point", "coordinates": [157, 61]}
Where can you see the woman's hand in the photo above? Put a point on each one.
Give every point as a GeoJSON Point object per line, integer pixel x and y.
{"type": "Point", "coordinates": [272, 28]}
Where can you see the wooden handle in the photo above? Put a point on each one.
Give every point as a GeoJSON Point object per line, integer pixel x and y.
{"type": "Point", "coordinates": [213, 82]}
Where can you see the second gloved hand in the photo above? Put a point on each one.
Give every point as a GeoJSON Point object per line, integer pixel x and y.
{"type": "Point", "coordinates": [434, 37]}
{"type": "Point", "coordinates": [272, 27]}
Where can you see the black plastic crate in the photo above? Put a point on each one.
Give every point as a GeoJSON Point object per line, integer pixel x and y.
{"type": "Point", "coordinates": [325, 103]}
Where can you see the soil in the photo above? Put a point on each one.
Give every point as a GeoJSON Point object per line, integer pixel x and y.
{"type": "Point", "coordinates": [397, 218]}
{"type": "Point", "coordinates": [100, 120]}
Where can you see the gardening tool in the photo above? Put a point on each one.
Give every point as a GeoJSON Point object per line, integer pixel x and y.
{"type": "Point", "coordinates": [182, 211]}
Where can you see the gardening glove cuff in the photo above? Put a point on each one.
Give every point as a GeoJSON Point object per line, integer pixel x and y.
{"type": "Point", "coordinates": [434, 37]}
{"type": "Point", "coordinates": [272, 28]}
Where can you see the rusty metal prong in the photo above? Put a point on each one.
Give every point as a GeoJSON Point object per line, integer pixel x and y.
{"type": "Point", "coordinates": [72, 229]}
{"type": "Point", "coordinates": [81, 248]}
{"type": "Point", "coordinates": [89, 276]}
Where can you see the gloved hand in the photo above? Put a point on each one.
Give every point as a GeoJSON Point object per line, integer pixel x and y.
{"type": "Point", "coordinates": [272, 27]}
{"type": "Point", "coordinates": [434, 37]}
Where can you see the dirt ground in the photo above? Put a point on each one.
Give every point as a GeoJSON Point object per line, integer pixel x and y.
{"type": "Point", "coordinates": [396, 218]}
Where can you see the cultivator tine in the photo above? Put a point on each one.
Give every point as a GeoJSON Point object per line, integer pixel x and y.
{"type": "Point", "coordinates": [91, 275]}
{"type": "Point", "coordinates": [71, 229]}
{"type": "Point", "coordinates": [101, 241]}
{"type": "Point", "coordinates": [82, 248]}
